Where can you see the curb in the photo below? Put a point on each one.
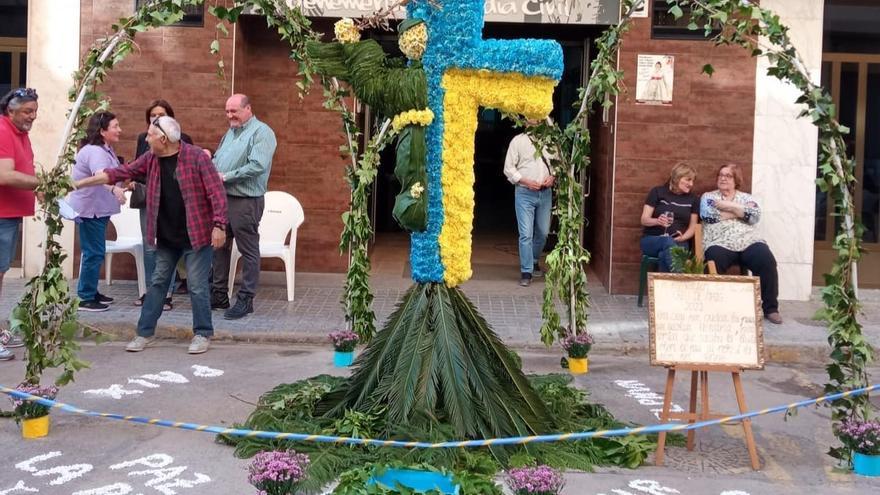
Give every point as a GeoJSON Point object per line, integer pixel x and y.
{"type": "Point", "coordinates": [782, 353]}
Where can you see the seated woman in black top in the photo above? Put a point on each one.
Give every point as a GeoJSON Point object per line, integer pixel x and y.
{"type": "Point", "coordinates": [669, 216]}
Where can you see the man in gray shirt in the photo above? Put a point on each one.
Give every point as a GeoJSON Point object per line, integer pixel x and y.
{"type": "Point", "coordinates": [244, 160]}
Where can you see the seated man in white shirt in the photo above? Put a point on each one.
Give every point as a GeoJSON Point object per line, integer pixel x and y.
{"type": "Point", "coordinates": [531, 174]}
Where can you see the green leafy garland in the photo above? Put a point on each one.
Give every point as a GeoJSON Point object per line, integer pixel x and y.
{"type": "Point", "coordinates": [570, 150]}
{"type": "Point", "coordinates": [47, 314]}
{"type": "Point", "coordinates": [761, 32]}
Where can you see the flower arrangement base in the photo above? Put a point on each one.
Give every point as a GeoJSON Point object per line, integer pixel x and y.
{"type": "Point", "coordinates": [578, 366]}
{"type": "Point", "coordinates": [866, 465]}
{"type": "Point", "coordinates": [343, 359]}
{"type": "Point", "coordinates": [35, 427]}
{"type": "Point", "coordinates": [416, 480]}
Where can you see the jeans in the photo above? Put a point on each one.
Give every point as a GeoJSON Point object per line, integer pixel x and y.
{"type": "Point", "coordinates": [660, 247]}
{"type": "Point", "coordinates": [533, 223]}
{"type": "Point", "coordinates": [8, 241]}
{"type": "Point", "coordinates": [198, 266]}
{"type": "Point", "coordinates": [150, 256]}
{"type": "Point", "coordinates": [92, 235]}
{"type": "Point", "coordinates": [760, 260]}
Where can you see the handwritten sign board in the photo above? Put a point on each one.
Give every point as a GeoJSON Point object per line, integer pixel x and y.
{"type": "Point", "coordinates": [705, 320]}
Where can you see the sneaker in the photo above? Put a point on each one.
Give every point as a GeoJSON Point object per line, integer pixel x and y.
{"type": "Point", "coordinates": [5, 354]}
{"type": "Point", "coordinates": [536, 271]}
{"type": "Point", "coordinates": [219, 300]}
{"type": "Point", "coordinates": [139, 343]}
{"type": "Point", "coordinates": [10, 340]}
{"type": "Point", "coordinates": [199, 344]}
{"type": "Point", "coordinates": [101, 298]}
{"type": "Point", "coordinates": [774, 318]}
{"type": "Point", "coordinates": [525, 280]}
{"type": "Point", "coordinates": [93, 306]}
{"type": "Point", "coordinates": [243, 307]}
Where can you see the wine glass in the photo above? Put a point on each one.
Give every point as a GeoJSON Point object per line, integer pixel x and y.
{"type": "Point", "coordinates": [670, 217]}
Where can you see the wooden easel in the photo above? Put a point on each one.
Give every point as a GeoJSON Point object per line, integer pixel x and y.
{"type": "Point", "coordinates": [700, 374]}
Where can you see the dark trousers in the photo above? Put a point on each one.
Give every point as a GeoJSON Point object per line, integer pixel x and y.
{"type": "Point", "coordinates": [244, 223]}
{"type": "Point", "coordinates": [760, 261]}
{"type": "Point", "coordinates": [92, 232]}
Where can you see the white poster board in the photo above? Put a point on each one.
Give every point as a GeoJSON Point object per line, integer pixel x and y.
{"type": "Point", "coordinates": [705, 320]}
{"type": "Point", "coordinates": [655, 77]}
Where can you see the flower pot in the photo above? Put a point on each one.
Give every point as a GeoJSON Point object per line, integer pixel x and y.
{"type": "Point", "coordinates": [35, 427]}
{"type": "Point", "coordinates": [578, 366]}
{"type": "Point", "coordinates": [342, 359]}
{"type": "Point", "coordinates": [418, 481]}
{"type": "Point", "coordinates": [866, 465]}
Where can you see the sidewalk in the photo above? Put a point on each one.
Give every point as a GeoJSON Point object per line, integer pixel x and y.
{"type": "Point", "coordinates": [618, 325]}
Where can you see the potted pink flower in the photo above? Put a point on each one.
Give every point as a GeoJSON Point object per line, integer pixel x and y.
{"type": "Point", "coordinates": [537, 480]}
{"type": "Point", "coordinates": [34, 417]}
{"type": "Point", "coordinates": [578, 346]}
{"type": "Point", "coordinates": [344, 343]}
{"type": "Point", "coordinates": [863, 439]}
{"type": "Point", "coordinates": [278, 472]}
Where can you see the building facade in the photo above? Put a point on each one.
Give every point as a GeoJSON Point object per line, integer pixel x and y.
{"type": "Point", "coordinates": [669, 112]}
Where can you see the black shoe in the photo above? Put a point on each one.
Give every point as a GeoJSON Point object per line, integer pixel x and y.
{"type": "Point", "coordinates": [525, 279]}
{"type": "Point", "coordinates": [101, 298]}
{"type": "Point", "coordinates": [181, 287]}
{"type": "Point", "coordinates": [93, 306]}
{"type": "Point", "coordinates": [219, 300]}
{"type": "Point", "coordinates": [243, 307]}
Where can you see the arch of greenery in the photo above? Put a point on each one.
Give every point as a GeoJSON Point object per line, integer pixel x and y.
{"type": "Point", "coordinates": [47, 314]}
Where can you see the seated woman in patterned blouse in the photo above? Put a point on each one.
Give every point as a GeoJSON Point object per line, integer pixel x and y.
{"type": "Point", "coordinates": [730, 236]}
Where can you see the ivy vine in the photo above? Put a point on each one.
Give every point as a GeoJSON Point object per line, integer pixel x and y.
{"type": "Point", "coordinates": [760, 31]}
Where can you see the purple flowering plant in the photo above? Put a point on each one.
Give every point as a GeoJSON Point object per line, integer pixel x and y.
{"type": "Point", "coordinates": [344, 341]}
{"type": "Point", "coordinates": [278, 472]}
{"type": "Point", "coordinates": [860, 436]}
{"type": "Point", "coordinates": [535, 480]}
{"type": "Point", "coordinates": [26, 409]}
{"type": "Point", "coordinates": [577, 345]}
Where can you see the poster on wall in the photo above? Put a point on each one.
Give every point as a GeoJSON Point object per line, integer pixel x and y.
{"type": "Point", "coordinates": [641, 10]}
{"type": "Point", "coordinates": [654, 79]}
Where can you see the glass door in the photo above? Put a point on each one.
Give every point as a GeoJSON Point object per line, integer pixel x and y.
{"type": "Point", "coordinates": [854, 82]}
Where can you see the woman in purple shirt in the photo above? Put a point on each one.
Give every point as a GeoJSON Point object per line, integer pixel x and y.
{"type": "Point", "coordinates": [95, 205]}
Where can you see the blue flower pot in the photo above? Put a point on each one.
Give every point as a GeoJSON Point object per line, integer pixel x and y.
{"type": "Point", "coordinates": [419, 481]}
{"type": "Point", "coordinates": [342, 359]}
{"type": "Point", "coordinates": [866, 465]}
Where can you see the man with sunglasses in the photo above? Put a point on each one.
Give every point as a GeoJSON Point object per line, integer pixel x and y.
{"type": "Point", "coordinates": [244, 160]}
{"type": "Point", "coordinates": [18, 110]}
{"type": "Point", "coordinates": [186, 218]}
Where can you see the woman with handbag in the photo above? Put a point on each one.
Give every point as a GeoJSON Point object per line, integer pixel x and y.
{"type": "Point", "coordinates": [95, 205]}
{"type": "Point", "coordinates": [156, 109]}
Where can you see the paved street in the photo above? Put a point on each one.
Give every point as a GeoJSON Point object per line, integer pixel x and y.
{"type": "Point", "coordinates": [90, 456]}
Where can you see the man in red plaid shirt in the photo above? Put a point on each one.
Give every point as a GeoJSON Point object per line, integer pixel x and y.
{"type": "Point", "coordinates": [186, 217]}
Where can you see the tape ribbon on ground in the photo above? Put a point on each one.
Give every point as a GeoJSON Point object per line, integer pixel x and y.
{"type": "Point", "coordinates": [559, 437]}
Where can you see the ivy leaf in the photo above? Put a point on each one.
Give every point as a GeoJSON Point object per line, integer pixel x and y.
{"type": "Point", "coordinates": [676, 12]}
{"type": "Point", "coordinates": [215, 46]}
{"type": "Point", "coordinates": [708, 70]}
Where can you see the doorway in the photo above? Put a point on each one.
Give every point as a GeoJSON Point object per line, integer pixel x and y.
{"type": "Point", "coordinates": [854, 82]}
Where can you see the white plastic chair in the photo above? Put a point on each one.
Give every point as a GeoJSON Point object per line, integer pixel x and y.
{"type": "Point", "coordinates": [128, 240]}
{"type": "Point", "coordinates": [282, 215]}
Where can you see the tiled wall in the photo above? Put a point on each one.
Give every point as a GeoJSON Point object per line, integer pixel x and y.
{"type": "Point", "coordinates": [711, 121]}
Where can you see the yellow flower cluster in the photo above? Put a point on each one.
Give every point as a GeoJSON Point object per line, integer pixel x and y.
{"type": "Point", "coordinates": [466, 92]}
{"type": "Point", "coordinates": [416, 190]}
{"type": "Point", "coordinates": [417, 117]}
{"type": "Point", "coordinates": [413, 41]}
{"type": "Point", "coordinates": [346, 31]}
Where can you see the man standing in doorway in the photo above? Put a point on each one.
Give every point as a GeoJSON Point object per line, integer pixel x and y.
{"type": "Point", "coordinates": [18, 110]}
{"type": "Point", "coordinates": [244, 160]}
{"type": "Point", "coordinates": [528, 171]}
{"type": "Point", "coordinates": [186, 218]}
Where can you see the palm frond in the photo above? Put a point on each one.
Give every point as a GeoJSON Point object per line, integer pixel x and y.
{"type": "Point", "coordinates": [450, 371]}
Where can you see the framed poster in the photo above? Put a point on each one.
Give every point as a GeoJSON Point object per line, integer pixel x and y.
{"type": "Point", "coordinates": [705, 320]}
{"type": "Point", "coordinates": [655, 75]}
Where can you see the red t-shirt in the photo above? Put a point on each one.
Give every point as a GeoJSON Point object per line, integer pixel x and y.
{"type": "Point", "coordinates": [15, 144]}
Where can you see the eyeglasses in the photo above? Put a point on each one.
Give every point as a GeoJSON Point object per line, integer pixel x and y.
{"type": "Point", "coordinates": [25, 93]}
{"type": "Point", "coordinates": [725, 176]}
{"type": "Point", "coordinates": [156, 124]}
